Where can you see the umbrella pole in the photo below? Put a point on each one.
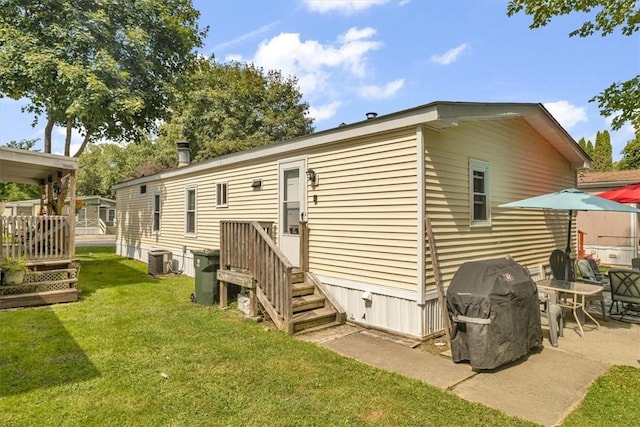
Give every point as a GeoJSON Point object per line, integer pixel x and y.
{"type": "Point", "coordinates": [568, 250]}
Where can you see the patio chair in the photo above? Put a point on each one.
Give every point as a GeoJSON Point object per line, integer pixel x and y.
{"type": "Point", "coordinates": [555, 318]}
{"type": "Point", "coordinates": [561, 265]}
{"type": "Point", "coordinates": [625, 289]}
{"type": "Point", "coordinates": [600, 276]}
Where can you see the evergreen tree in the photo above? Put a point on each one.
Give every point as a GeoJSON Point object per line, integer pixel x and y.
{"type": "Point", "coordinates": [602, 153]}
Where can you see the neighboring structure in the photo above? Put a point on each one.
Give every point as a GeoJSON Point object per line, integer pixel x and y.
{"type": "Point", "coordinates": [94, 214]}
{"type": "Point", "coordinates": [610, 236]}
{"type": "Point", "coordinates": [45, 242]}
{"type": "Point", "coordinates": [364, 191]}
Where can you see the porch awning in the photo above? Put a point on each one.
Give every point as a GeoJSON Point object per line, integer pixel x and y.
{"type": "Point", "coordinates": [31, 167]}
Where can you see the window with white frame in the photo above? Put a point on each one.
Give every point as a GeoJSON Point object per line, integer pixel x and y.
{"type": "Point", "coordinates": [480, 192]}
{"type": "Point", "coordinates": [156, 212]}
{"type": "Point", "coordinates": [222, 190]}
{"type": "Point", "coordinates": [190, 211]}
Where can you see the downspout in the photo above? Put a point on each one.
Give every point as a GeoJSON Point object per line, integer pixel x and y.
{"type": "Point", "coordinates": [421, 255]}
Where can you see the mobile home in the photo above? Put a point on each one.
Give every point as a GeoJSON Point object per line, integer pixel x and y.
{"type": "Point", "coordinates": [359, 196]}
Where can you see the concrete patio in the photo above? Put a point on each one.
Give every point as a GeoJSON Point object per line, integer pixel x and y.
{"type": "Point", "coordinates": [528, 388]}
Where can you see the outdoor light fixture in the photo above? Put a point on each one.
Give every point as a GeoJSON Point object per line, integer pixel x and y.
{"type": "Point", "coordinates": [311, 176]}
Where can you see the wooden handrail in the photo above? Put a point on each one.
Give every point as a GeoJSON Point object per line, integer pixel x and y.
{"type": "Point", "coordinates": [247, 246]}
{"type": "Point", "coordinates": [34, 237]}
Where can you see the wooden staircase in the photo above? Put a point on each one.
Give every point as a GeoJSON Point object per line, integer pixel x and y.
{"type": "Point", "coordinates": [294, 299]}
{"type": "Point", "coordinates": [312, 306]}
{"type": "Point", "coordinates": [47, 282]}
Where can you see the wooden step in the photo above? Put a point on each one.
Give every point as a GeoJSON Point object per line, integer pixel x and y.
{"type": "Point", "coordinates": [313, 318]}
{"type": "Point", "coordinates": [297, 276]}
{"type": "Point", "coordinates": [307, 302]}
{"type": "Point", "coordinates": [302, 288]}
{"type": "Point", "coordinates": [39, 298]}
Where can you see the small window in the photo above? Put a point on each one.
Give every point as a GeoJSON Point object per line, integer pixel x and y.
{"type": "Point", "coordinates": [143, 189]}
{"type": "Point", "coordinates": [221, 194]}
{"type": "Point", "coordinates": [190, 211]}
{"type": "Point", "coordinates": [156, 213]}
{"type": "Point", "coordinates": [480, 197]}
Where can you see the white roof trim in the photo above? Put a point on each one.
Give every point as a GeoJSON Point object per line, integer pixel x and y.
{"type": "Point", "coordinates": [437, 115]}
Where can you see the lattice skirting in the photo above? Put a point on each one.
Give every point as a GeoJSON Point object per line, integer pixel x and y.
{"type": "Point", "coordinates": [49, 276]}
{"type": "Point", "coordinates": [27, 288]}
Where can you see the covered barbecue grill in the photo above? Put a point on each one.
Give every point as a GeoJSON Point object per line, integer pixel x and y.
{"type": "Point", "coordinates": [494, 312]}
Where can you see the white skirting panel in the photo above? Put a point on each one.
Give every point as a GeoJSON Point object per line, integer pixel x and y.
{"type": "Point", "coordinates": [612, 255]}
{"type": "Point", "coordinates": [381, 311]}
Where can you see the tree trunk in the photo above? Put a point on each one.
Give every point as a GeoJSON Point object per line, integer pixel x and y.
{"type": "Point", "coordinates": [47, 135]}
{"type": "Point", "coordinates": [85, 141]}
{"type": "Point", "coordinates": [67, 140]}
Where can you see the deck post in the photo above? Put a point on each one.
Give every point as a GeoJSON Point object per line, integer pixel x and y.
{"type": "Point", "coordinates": [304, 246]}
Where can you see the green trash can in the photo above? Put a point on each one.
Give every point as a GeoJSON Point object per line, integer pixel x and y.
{"type": "Point", "coordinates": [206, 263]}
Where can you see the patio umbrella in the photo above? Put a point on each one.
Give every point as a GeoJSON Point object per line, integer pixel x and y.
{"type": "Point", "coordinates": [570, 200]}
{"type": "Point", "coordinates": [626, 194]}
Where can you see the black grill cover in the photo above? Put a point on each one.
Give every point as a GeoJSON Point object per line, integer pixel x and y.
{"type": "Point", "coordinates": [494, 313]}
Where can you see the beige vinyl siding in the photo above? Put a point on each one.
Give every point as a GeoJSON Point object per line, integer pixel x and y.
{"type": "Point", "coordinates": [244, 203]}
{"type": "Point", "coordinates": [522, 164]}
{"type": "Point", "coordinates": [363, 226]}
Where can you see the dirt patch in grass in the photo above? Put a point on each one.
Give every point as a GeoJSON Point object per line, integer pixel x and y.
{"type": "Point", "coordinates": [434, 345]}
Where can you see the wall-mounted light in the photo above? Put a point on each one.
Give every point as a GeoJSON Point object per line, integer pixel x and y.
{"type": "Point", "coordinates": [312, 177]}
{"type": "Point", "coordinates": [256, 184]}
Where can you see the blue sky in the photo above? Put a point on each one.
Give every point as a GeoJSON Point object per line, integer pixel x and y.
{"type": "Point", "coordinates": [352, 57]}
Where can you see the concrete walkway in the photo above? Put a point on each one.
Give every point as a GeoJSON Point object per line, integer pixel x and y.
{"type": "Point", "coordinates": [95, 239]}
{"type": "Point", "coordinates": [543, 387]}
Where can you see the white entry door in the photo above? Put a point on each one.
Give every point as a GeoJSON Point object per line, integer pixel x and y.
{"type": "Point", "coordinates": [292, 194]}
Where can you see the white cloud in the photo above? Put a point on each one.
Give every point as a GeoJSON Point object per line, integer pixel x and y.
{"type": "Point", "coordinates": [378, 92]}
{"type": "Point", "coordinates": [233, 58]}
{"type": "Point", "coordinates": [449, 56]}
{"type": "Point", "coordinates": [245, 37]}
{"type": "Point", "coordinates": [341, 6]}
{"type": "Point", "coordinates": [324, 112]}
{"type": "Point", "coordinates": [319, 67]}
{"type": "Point", "coordinates": [566, 114]}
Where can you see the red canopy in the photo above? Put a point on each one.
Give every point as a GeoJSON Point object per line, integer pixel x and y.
{"type": "Point", "coordinates": [627, 194]}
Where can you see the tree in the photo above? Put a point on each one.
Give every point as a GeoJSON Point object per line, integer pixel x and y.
{"type": "Point", "coordinates": [631, 154]}
{"type": "Point", "coordinates": [102, 166]}
{"type": "Point", "coordinates": [621, 99]}
{"type": "Point", "coordinates": [108, 69]}
{"type": "Point", "coordinates": [587, 146]}
{"type": "Point", "coordinates": [602, 153]}
{"type": "Point", "coordinates": [11, 191]}
{"type": "Point", "coordinates": [234, 107]}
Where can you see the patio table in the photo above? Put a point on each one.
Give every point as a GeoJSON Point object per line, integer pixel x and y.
{"type": "Point", "coordinates": [578, 290]}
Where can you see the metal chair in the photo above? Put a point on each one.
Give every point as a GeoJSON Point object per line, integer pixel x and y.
{"type": "Point", "coordinates": [625, 289]}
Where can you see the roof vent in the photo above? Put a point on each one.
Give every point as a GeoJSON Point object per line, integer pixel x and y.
{"type": "Point", "coordinates": [371, 115]}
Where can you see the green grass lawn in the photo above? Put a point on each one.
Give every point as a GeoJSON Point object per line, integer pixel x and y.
{"type": "Point", "coordinates": [135, 351]}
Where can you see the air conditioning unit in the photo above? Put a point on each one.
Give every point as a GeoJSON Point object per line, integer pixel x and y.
{"type": "Point", "coordinates": [159, 262]}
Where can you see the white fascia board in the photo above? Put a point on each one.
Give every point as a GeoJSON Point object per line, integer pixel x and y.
{"type": "Point", "coordinates": [358, 130]}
